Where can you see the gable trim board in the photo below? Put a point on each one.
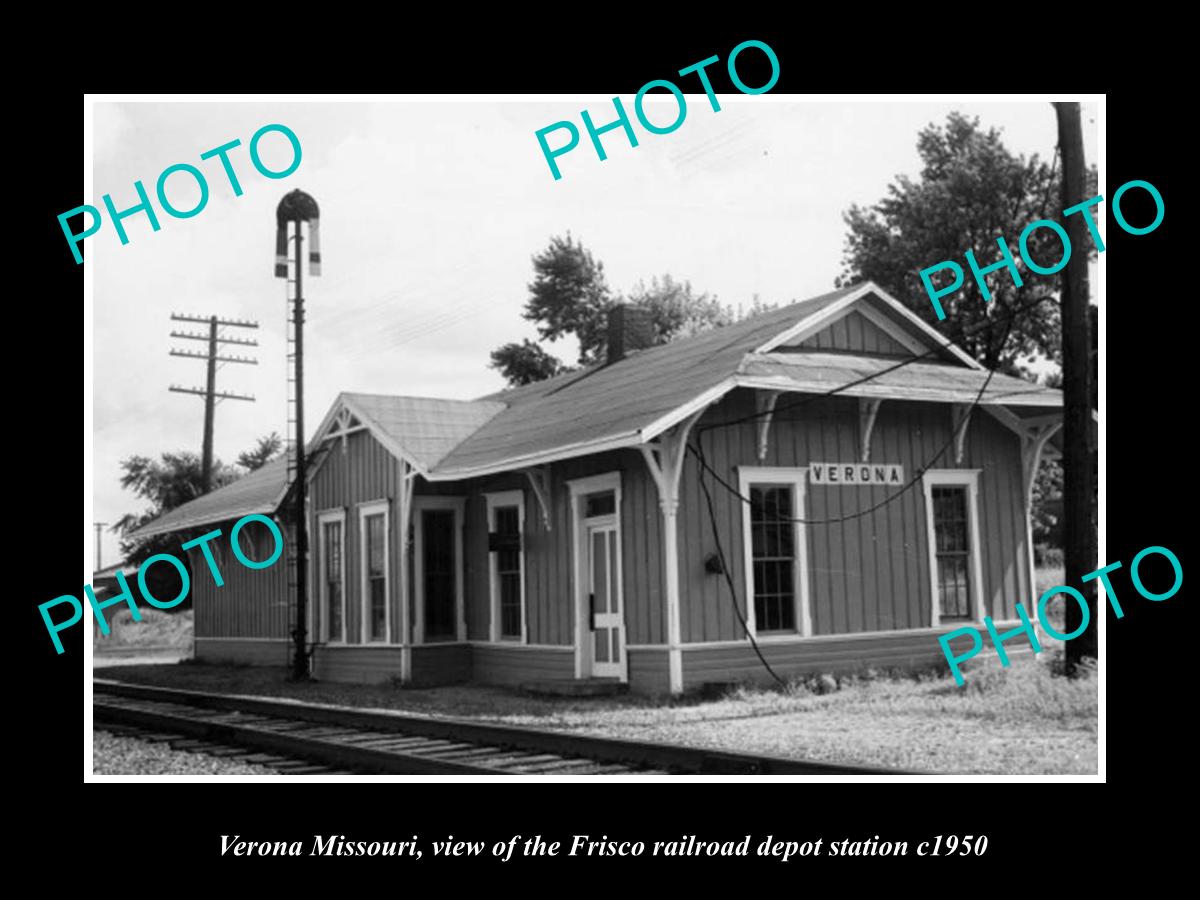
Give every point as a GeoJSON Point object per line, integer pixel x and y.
{"type": "Point", "coordinates": [819, 320]}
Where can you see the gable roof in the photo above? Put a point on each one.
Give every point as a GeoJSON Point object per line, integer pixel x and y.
{"type": "Point", "coordinates": [260, 491]}
{"type": "Point", "coordinates": [612, 405]}
{"type": "Point", "coordinates": [629, 402]}
{"type": "Point", "coordinates": [422, 430]}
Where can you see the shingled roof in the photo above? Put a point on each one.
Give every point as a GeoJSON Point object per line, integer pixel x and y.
{"type": "Point", "coordinates": [261, 491]}
{"type": "Point", "coordinates": [628, 402]}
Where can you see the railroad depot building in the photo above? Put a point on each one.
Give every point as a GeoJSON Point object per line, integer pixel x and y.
{"type": "Point", "coordinates": [559, 531]}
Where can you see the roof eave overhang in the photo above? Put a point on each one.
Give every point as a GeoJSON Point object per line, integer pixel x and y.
{"type": "Point", "coordinates": [878, 392]}
{"type": "Point", "coordinates": [150, 529]}
{"type": "Point", "coordinates": [622, 441]}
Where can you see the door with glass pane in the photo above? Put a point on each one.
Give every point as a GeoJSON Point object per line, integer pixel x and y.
{"type": "Point", "coordinates": [607, 627]}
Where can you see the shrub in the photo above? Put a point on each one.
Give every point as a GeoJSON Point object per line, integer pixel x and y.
{"type": "Point", "coordinates": [1048, 556]}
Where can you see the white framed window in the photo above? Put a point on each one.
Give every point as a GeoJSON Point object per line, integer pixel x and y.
{"type": "Point", "coordinates": [506, 564]}
{"type": "Point", "coordinates": [331, 574]}
{"type": "Point", "coordinates": [373, 545]}
{"type": "Point", "coordinates": [438, 569]}
{"type": "Point", "coordinates": [952, 532]}
{"type": "Point", "coordinates": [775, 548]}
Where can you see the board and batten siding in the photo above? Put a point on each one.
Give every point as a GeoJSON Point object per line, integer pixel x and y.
{"type": "Point", "coordinates": [871, 572]}
{"type": "Point", "coordinates": [363, 472]}
{"type": "Point", "coordinates": [366, 471]}
{"type": "Point", "coordinates": [550, 553]}
{"type": "Point", "coordinates": [854, 333]}
{"type": "Point", "coordinates": [252, 603]}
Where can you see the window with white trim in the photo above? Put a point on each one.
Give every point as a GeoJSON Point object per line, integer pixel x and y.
{"type": "Point", "coordinates": [332, 574]}
{"type": "Point", "coordinates": [373, 530]}
{"type": "Point", "coordinates": [773, 550]}
{"type": "Point", "coordinates": [777, 600]}
{"type": "Point", "coordinates": [952, 533]}
{"type": "Point", "coordinates": [506, 526]}
{"type": "Point", "coordinates": [952, 551]}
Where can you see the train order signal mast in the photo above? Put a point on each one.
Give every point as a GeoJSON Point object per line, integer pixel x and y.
{"type": "Point", "coordinates": [297, 208]}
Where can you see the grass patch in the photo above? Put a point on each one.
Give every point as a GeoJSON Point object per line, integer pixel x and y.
{"type": "Point", "coordinates": [158, 628]}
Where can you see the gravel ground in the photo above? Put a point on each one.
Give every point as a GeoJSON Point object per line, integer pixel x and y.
{"type": "Point", "coordinates": [1017, 721]}
{"type": "Point", "coordinates": [112, 755]}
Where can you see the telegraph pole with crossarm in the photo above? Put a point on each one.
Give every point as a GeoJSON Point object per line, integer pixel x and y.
{"type": "Point", "coordinates": [210, 393]}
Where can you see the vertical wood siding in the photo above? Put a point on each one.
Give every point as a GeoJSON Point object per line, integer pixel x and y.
{"type": "Point", "coordinates": [363, 473]}
{"type": "Point", "coordinates": [871, 572]}
{"type": "Point", "coordinates": [854, 332]}
{"type": "Point", "coordinates": [252, 603]}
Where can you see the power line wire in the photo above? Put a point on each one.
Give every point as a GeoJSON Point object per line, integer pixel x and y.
{"type": "Point", "coordinates": [698, 450]}
{"type": "Point", "coordinates": [712, 517]}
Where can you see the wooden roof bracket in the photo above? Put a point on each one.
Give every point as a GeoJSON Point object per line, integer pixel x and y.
{"type": "Point", "coordinates": [1032, 443]}
{"type": "Point", "coordinates": [539, 480]}
{"type": "Point", "coordinates": [960, 417]}
{"type": "Point", "coordinates": [764, 402]}
{"type": "Point", "coordinates": [664, 458]}
{"type": "Point", "coordinates": [867, 411]}
{"type": "Point", "coordinates": [408, 479]}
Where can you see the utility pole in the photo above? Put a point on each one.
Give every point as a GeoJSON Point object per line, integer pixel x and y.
{"type": "Point", "coordinates": [210, 393]}
{"type": "Point", "coordinates": [98, 526]}
{"type": "Point", "coordinates": [1080, 554]}
{"type": "Point", "coordinates": [298, 207]}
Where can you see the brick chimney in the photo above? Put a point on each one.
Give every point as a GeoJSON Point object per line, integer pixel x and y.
{"type": "Point", "coordinates": [630, 328]}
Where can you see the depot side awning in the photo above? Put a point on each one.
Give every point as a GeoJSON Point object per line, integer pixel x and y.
{"type": "Point", "coordinates": [890, 379]}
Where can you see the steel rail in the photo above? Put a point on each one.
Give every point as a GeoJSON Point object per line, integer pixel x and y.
{"type": "Point", "coordinates": [672, 758]}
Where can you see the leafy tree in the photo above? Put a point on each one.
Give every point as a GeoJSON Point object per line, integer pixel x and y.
{"type": "Point", "coordinates": [170, 481]}
{"type": "Point", "coordinates": [757, 307]}
{"type": "Point", "coordinates": [525, 363]}
{"type": "Point", "coordinates": [265, 450]}
{"type": "Point", "coordinates": [971, 190]}
{"type": "Point", "coordinates": [676, 311]}
{"type": "Point", "coordinates": [569, 295]}
{"type": "Point", "coordinates": [1047, 506]}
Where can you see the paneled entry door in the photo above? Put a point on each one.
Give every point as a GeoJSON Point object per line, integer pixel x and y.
{"type": "Point", "coordinates": [604, 599]}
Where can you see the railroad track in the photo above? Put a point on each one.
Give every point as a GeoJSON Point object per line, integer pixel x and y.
{"type": "Point", "coordinates": [308, 739]}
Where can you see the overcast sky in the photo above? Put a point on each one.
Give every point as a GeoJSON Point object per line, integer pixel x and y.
{"type": "Point", "coordinates": [430, 212]}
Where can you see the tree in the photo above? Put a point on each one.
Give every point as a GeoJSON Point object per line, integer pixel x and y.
{"type": "Point", "coordinates": [525, 363]}
{"type": "Point", "coordinates": [972, 190]}
{"type": "Point", "coordinates": [170, 481]}
{"type": "Point", "coordinates": [675, 310]}
{"type": "Point", "coordinates": [569, 295]}
{"type": "Point", "coordinates": [757, 307]}
{"type": "Point", "coordinates": [265, 450]}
